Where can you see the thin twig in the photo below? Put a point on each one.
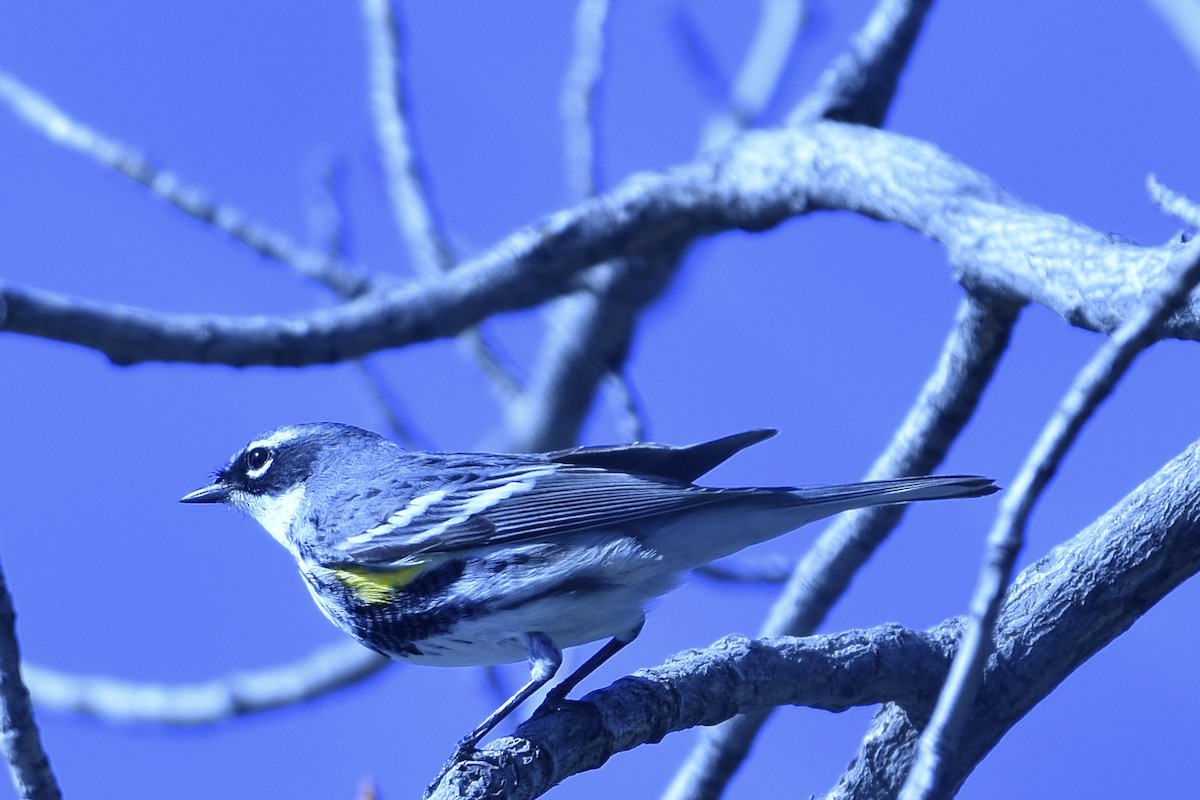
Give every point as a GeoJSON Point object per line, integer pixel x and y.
{"type": "Point", "coordinates": [771, 571]}
{"type": "Point", "coordinates": [1093, 384]}
{"type": "Point", "coordinates": [699, 56]}
{"type": "Point", "coordinates": [328, 226]}
{"type": "Point", "coordinates": [633, 425]}
{"type": "Point", "coordinates": [860, 84]}
{"type": "Point", "coordinates": [1172, 203]}
{"type": "Point", "coordinates": [391, 407]}
{"type": "Point", "coordinates": [324, 671]}
{"type": "Point", "coordinates": [578, 109]}
{"type": "Point", "coordinates": [1183, 18]}
{"type": "Point", "coordinates": [757, 82]}
{"type": "Point", "coordinates": [190, 705]}
{"type": "Point", "coordinates": [780, 23]}
{"type": "Point", "coordinates": [328, 222]}
{"type": "Point", "coordinates": [407, 185]}
{"type": "Point", "coordinates": [53, 123]}
{"type": "Point", "coordinates": [578, 98]}
{"type": "Point", "coordinates": [590, 332]}
{"type": "Point", "coordinates": [581, 128]}
{"type": "Point", "coordinates": [412, 204]}
{"type": "Point", "coordinates": [587, 340]}
{"type": "Point", "coordinates": [28, 764]}
{"type": "Point", "coordinates": [946, 401]}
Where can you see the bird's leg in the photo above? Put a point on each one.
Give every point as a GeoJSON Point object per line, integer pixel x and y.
{"type": "Point", "coordinates": [613, 646]}
{"type": "Point", "coordinates": [544, 660]}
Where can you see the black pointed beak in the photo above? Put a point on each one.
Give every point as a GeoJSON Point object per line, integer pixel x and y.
{"type": "Point", "coordinates": [216, 493]}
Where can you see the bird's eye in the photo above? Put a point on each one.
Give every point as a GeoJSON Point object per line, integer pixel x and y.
{"type": "Point", "coordinates": [258, 459]}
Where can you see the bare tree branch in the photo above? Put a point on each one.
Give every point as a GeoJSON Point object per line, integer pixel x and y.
{"type": "Point", "coordinates": [588, 339]}
{"type": "Point", "coordinates": [328, 226]}
{"type": "Point", "coordinates": [632, 421]}
{"type": "Point", "coordinates": [998, 246]}
{"type": "Point", "coordinates": [946, 402]}
{"type": "Point", "coordinates": [412, 203]}
{"type": "Point", "coordinates": [53, 123]}
{"type": "Point", "coordinates": [412, 208]}
{"type": "Point", "coordinates": [1172, 203]}
{"type": "Point", "coordinates": [1057, 614]}
{"type": "Point", "coordinates": [610, 257]}
{"type": "Point", "coordinates": [870, 666]}
{"type": "Point", "coordinates": [860, 84]}
{"type": "Point", "coordinates": [697, 54]}
{"type": "Point", "coordinates": [327, 268]}
{"type": "Point", "coordinates": [1182, 17]}
{"type": "Point", "coordinates": [769, 570]}
{"type": "Point", "coordinates": [591, 331]}
{"type": "Point", "coordinates": [757, 82]}
{"type": "Point", "coordinates": [28, 764]}
{"type": "Point", "coordinates": [938, 743]}
{"type": "Point", "coordinates": [323, 671]}
{"type": "Point", "coordinates": [578, 98]}
{"type": "Point", "coordinates": [389, 404]}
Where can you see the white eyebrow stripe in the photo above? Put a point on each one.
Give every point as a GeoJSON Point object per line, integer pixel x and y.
{"type": "Point", "coordinates": [285, 434]}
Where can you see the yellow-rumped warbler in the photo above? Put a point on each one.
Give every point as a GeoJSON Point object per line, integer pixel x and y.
{"type": "Point", "coordinates": [461, 559]}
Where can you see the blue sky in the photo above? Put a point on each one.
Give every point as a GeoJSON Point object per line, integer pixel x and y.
{"type": "Point", "coordinates": [824, 328]}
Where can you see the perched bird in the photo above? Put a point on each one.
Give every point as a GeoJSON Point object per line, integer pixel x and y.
{"type": "Point", "coordinates": [460, 559]}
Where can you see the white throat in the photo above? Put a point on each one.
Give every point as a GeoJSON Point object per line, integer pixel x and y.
{"type": "Point", "coordinates": [276, 514]}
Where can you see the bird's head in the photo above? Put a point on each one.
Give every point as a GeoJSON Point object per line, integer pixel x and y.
{"type": "Point", "coordinates": [270, 476]}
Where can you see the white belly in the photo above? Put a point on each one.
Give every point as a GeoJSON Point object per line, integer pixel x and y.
{"type": "Point", "coordinates": [567, 621]}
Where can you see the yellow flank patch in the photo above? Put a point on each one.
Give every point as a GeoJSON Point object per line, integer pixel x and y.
{"type": "Point", "coordinates": [377, 587]}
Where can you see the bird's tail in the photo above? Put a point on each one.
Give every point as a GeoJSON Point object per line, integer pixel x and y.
{"type": "Point", "coordinates": [744, 517]}
{"type": "Point", "coordinates": [843, 497]}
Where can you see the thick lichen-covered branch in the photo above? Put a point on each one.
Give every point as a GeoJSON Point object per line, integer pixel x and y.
{"type": "Point", "coordinates": [996, 244]}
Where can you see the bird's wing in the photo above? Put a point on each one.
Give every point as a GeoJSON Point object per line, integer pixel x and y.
{"type": "Point", "coordinates": [686, 463]}
{"type": "Point", "coordinates": [534, 501]}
